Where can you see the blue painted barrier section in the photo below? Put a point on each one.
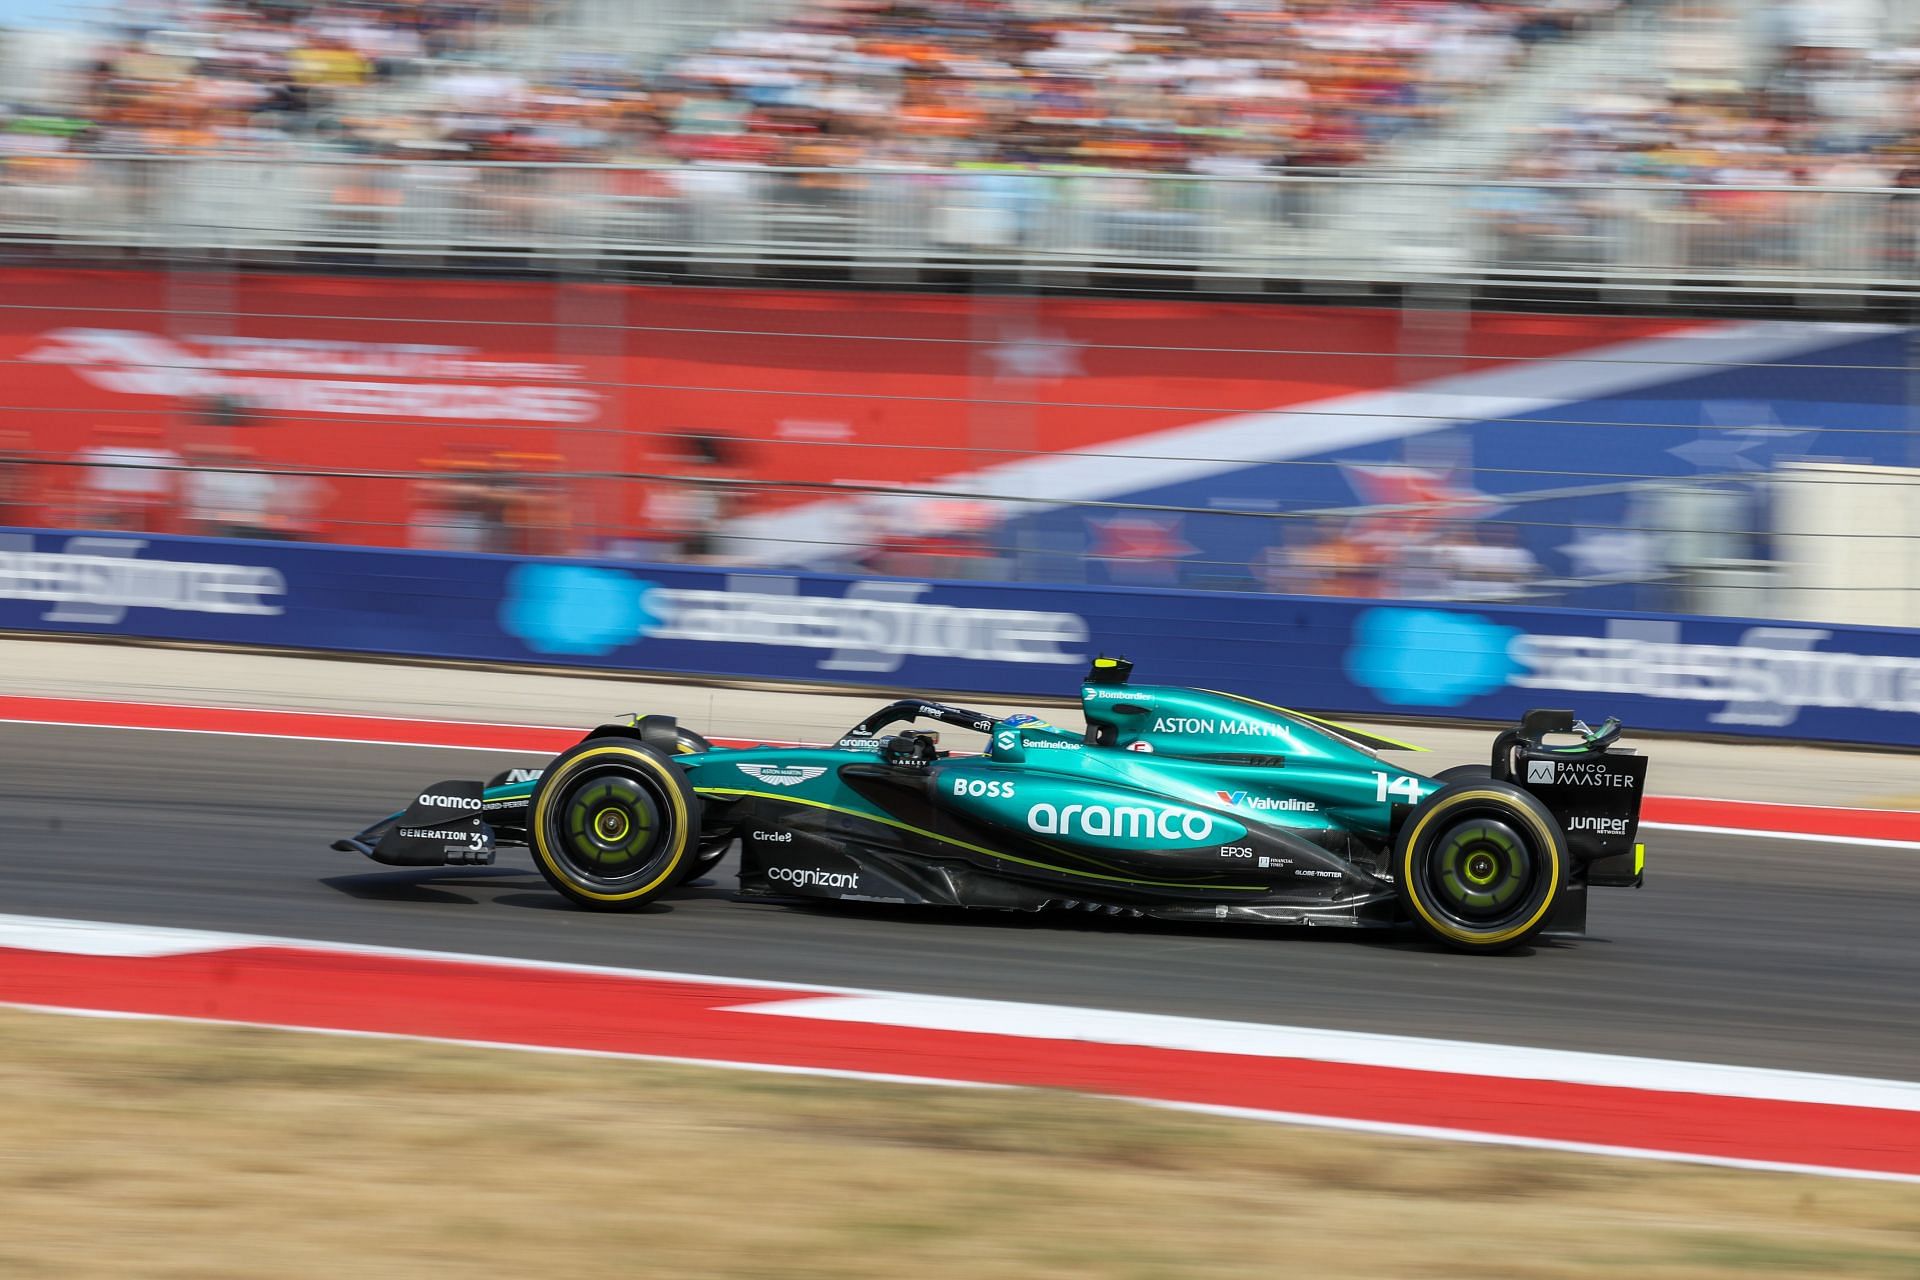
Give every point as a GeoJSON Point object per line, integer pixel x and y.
{"type": "Point", "coordinates": [1699, 675]}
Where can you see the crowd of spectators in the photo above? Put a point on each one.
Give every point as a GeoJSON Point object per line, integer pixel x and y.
{"type": "Point", "coordinates": [1225, 88]}
{"type": "Point", "coordinates": [1722, 111]}
{"type": "Point", "coordinates": [1231, 86]}
{"type": "Point", "coordinates": [1824, 117]}
{"type": "Point", "coordinates": [271, 77]}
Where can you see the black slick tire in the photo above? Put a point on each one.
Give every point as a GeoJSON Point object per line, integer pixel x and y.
{"type": "Point", "coordinates": [1480, 865]}
{"type": "Point", "coordinates": [613, 824]}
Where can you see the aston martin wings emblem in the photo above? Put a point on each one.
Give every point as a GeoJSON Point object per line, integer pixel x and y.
{"type": "Point", "coordinates": [783, 775]}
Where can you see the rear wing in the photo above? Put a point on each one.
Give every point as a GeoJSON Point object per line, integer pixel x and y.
{"type": "Point", "coordinates": [1592, 787]}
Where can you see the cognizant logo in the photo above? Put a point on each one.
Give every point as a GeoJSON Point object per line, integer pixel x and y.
{"type": "Point", "coordinates": [1122, 822]}
{"type": "Point", "coordinates": [815, 877]}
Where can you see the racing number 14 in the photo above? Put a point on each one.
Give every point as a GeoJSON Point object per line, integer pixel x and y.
{"type": "Point", "coordinates": [1403, 788]}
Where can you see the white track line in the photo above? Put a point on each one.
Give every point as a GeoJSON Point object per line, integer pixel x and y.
{"type": "Point", "coordinates": [1758, 833]}
{"type": "Point", "coordinates": [1301, 1119]}
{"type": "Point", "coordinates": [1067, 1023]}
{"type": "Point", "coordinates": [1354, 1048]}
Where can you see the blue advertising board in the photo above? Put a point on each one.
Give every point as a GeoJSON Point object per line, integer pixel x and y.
{"type": "Point", "coordinates": [1686, 674]}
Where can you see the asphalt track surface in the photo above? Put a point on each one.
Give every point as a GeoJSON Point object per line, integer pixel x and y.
{"type": "Point", "coordinates": [1764, 952]}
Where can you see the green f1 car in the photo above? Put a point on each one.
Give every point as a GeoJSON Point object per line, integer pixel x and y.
{"type": "Point", "coordinates": [1175, 804]}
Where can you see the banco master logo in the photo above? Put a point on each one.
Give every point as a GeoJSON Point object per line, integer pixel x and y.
{"type": "Point", "coordinates": [96, 580]}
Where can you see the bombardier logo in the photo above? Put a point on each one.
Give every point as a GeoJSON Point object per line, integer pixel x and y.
{"type": "Point", "coordinates": [433, 801]}
{"type": "Point", "coordinates": [1124, 822]}
{"type": "Point", "coordinates": [815, 877]}
{"type": "Point", "coordinates": [1266, 804]}
{"type": "Point", "coordinates": [783, 775]}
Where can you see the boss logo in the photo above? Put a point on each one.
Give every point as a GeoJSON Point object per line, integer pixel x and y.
{"type": "Point", "coordinates": [433, 801]}
{"type": "Point", "coordinates": [981, 787]}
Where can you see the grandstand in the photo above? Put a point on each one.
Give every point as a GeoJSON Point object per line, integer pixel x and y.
{"type": "Point", "coordinates": [365, 178]}
{"type": "Point", "coordinates": [1665, 144]}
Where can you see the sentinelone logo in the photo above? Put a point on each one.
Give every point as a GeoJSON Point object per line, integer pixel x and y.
{"type": "Point", "coordinates": [874, 627]}
{"type": "Point", "coordinates": [96, 580]}
{"type": "Point", "coordinates": [1438, 658]}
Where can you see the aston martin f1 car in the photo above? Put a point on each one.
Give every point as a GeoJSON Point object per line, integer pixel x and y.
{"type": "Point", "coordinates": [1173, 803]}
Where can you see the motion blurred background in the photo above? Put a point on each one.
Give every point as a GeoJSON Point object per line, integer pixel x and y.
{"type": "Point", "coordinates": [1587, 302]}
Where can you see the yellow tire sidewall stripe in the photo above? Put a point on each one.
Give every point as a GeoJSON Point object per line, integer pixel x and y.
{"type": "Point", "coordinates": [537, 827]}
{"type": "Point", "coordinates": [1412, 882]}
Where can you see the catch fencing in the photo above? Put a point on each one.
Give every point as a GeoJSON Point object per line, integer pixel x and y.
{"type": "Point", "coordinates": [920, 224]}
{"type": "Point", "coordinates": [1656, 463]}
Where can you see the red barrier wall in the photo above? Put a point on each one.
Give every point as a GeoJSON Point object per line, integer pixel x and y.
{"type": "Point", "coordinates": [811, 386]}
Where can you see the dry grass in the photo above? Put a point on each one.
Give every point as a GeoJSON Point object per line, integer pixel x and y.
{"type": "Point", "coordinates": [136, 1149]}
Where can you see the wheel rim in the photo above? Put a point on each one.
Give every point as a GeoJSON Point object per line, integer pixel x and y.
{"type": "Point", "coordinates": [1481, 871]}
{"type": "Point", "coordinates": [609, 826]}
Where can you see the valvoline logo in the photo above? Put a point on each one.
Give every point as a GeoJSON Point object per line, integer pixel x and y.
{"type": "Point", "coordinates": [1429, 657]}
{"type": "Point", "coordinates": [1265, 804]}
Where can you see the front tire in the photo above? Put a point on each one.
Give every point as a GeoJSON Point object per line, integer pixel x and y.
{"type": "Point", "coordinates": [613, 824]}
{"type": "Point", "coordinates": [1481, 865]}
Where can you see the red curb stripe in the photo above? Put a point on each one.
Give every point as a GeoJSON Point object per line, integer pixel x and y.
{"type": "Point", "coordinates": [326, 726]}
{"type": "Point", "coordinates": [1734, 815]}
{"type": "Point", "coordinates": [657, 1017]}
{"type": "Point", "coordinates": [1807, 820]}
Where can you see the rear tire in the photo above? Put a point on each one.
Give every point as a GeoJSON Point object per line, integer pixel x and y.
{"type": "Point", "coordinates": [1466, 772]}
{"type": "Point", "coordinates": [1480, 865]}
{"type": "Point", "coordinates": [613, 824]}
